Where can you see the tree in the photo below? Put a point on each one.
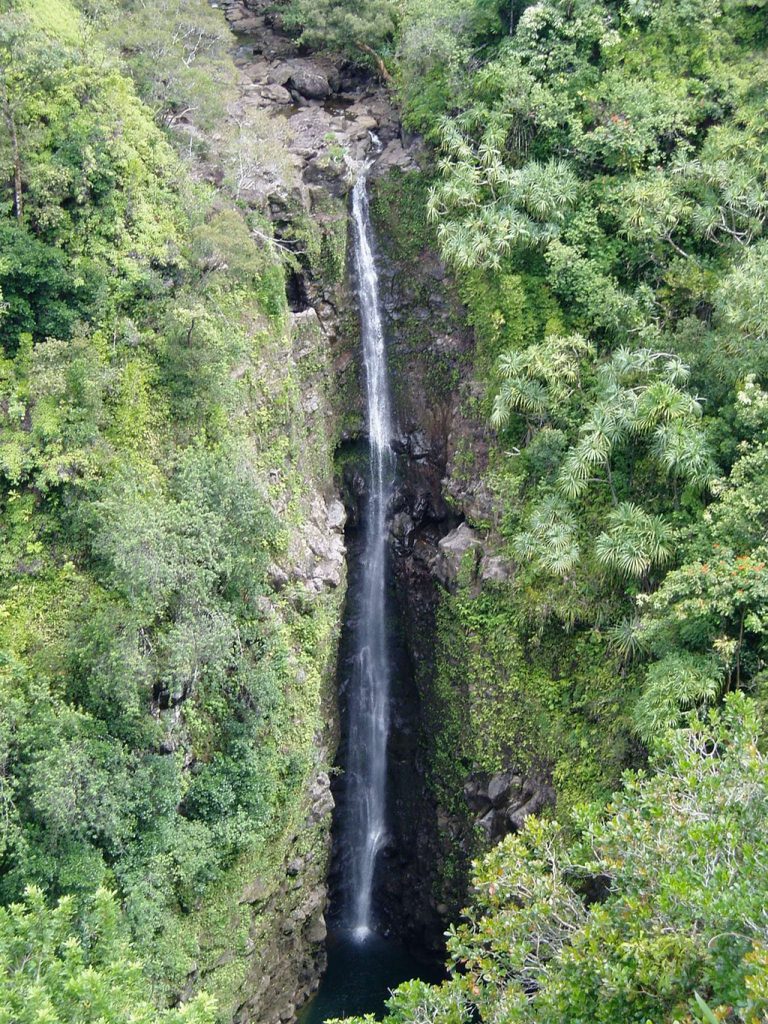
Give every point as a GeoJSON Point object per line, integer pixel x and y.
{"type": "Point", "coordinates": [551, 537]}
{"type": "Point", "coordinates": [640, 394]}
{"type": "Point", "coordinates": [484, 210]}
{"type": "Point", "coordinates": [146, 682]}
{"type": "Point", "coordinates": [706, 624]}
{"type": "Point", "coordinates": [634, 540]}
{"type": "Point", "coordinates": [743, 305]}
{"type": "Point", "coordinates": [539, 379]}
{"type": "Point", "coordinates": [176, 53]}
{"type": "Point", "coordinates": [72, 965]}
{"type": "Point", "coordinates": [678, 682]}
{"type": "Point", "coordinates": [354, 28]}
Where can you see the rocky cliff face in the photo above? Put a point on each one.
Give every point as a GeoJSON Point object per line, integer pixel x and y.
{"type": "Point", "coordinates": [335, 119]}
{"type": "Point", "coordinates": [284, 953]}
{"type": "Point", "coordinates": [333, 115]}
{"type": "Point", "coordinates": [261, 930]}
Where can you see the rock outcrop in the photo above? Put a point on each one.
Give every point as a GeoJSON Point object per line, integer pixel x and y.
{"type": "Point", "coordinates": [287, 942]}
{"type": "Point", "coordinates": [286, 945]}
{"type": "Point", "coordinates": [501, 803]}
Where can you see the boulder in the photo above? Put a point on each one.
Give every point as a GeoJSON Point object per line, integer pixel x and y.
{"type": "Point", "coordinates": [451, 551]}
{"type": "Point", "coordinates": [257, 70]}
{"type": "Point", "coordinates": [501, 803]}
{"type": "Point", "coordinates": [337, 515]}
{"type": "Point", "coordinates": [317, 930]}
{"type": "Point", "coordinates": [248, 26]}
{"type": "Point", "coordinates": [476, 795]}
{"type": "Point", "coordinates": [277, 577]}
{"type": "Point", "coordinates": [394, 156]}
{"type": "Point", "coordinates": [495, 569]}
{"type": "Point", "coordinates": [311, 403]}
{"type": "Point", "coordinates": [419, 444]}
{"type": "Point", "coordinates": [254, 892]}
{"type": "Point", "coordinates": [331, 174]}
{"type": "Point", "coordinates": [294, 867]}
{"type": "Point", "coordinates": [364, 124]}
{"type": "Point", "coordinates": [460, 540]}
{"type": "Point", "coordinates": [537, 794]}
{"type": "Point", "coordinates": [321, 785]}
{"type": "Point", "coordinates": [306, 328]}
{"type": "Point", "coordinates": [276, 94]}
{"type": "Point", "coordinates": [280, 75]}
{"type": "Point", "coordinates": [237, 12]}
{"type": "Point", "coordinates": [402, 528]}
{"type": "Point", "coordinates": [311, 83]}
{"type": "Point", "coordinates": [488, 824]}
{"type": "Point", "coordinates": [327, 574]}
{"type": "Point", "coordinates": [322, 802]}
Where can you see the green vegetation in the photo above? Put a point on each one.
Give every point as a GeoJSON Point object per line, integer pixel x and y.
{"type": "Point", "coordinates": [599, 188]}
{"type": "Point", "coordinates": [363, 31]}
{"type": "Point", "coordinates": [600, 191]}
{"type": "Point", "coordinates": [67, 963]}
{"type": "Point", "coordinates": [158, 700]}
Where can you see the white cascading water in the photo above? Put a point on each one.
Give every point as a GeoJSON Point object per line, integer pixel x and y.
{"type": "Point", "coordinates": [365, 826]}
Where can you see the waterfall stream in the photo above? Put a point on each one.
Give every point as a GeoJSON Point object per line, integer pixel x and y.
{"type": "Point", "coordinates": [363, 966]}
{"type": "Point", "coordinates": [365, 825]}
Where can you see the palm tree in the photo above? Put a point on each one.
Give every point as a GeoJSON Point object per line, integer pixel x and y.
{"type": "Point", "coordinates": [634, 541]}
{"type": "Point", "coordinates": [539, 378]}
{"type": "Point", "coordinates": [640, 393]}
{"type": "Point", "coordinates": [606, 426]}
{"type": "Point", "coordinates": [483, 208]}
{"type": "Point", "coordinates": [551, 537]}
{"type": "Point", "coordinates": [626, 640]}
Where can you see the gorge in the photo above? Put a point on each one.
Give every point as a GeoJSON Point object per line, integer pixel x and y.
{"type": "Point", "coordinates": [364, 966]}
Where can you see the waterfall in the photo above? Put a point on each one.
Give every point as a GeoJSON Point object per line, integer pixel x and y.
{"type": "Point", "coordinates": [365, 825]}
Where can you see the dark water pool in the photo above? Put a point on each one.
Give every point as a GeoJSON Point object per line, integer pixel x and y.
{"type": "Point", "coordinates": [360, 975]}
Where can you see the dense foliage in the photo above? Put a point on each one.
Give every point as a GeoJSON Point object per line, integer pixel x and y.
{"type": "Point", "coordinates": [610, 161]}
{"type": "Point", "coordinates": [149, 677]}
{"type": "Point", "coordinates": [72, 963]}
{"type": "Point", "coordinates": [600, 191]}
{"type": "Point", "coordinates": [599, 188]}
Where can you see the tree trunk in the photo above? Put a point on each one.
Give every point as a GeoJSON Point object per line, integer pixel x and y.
{"type": "Point", "coordinates": [18, 197]}
{"type": "Point", "coordinates": [512, 17]}
{"type": "Point", "coordinates": [614, 498]}
{"type": "Point", "coordinates": [365, 48]}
